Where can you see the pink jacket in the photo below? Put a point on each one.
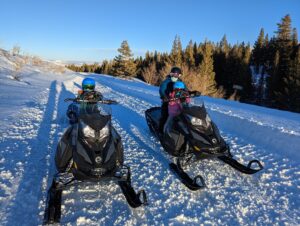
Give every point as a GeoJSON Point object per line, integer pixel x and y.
{"type": "Point", "coordinates": [175, 106]}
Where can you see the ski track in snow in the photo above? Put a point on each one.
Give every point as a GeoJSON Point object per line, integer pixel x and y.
{"type": "Point", "coordinates": [27, 146]}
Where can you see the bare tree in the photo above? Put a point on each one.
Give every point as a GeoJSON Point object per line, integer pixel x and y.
{"type": "Point", "coordinates": [149, 74]}
{"type": "Point", "coordinates": [16, 73]}
{"type": "Point", "coordinates": [16, 50]}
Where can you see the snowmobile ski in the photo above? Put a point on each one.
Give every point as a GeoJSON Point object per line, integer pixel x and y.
{"type": "Point", "coordinates": [53, 205]}
{"type": "Point", "coordinates": [192, 184]}
{"type": "Point", "coordinates": [240, 167]}
{"type": "Point", "coordinates": [134, 199]}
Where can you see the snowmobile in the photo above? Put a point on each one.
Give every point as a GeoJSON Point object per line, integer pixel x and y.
{"type": "Point", "coordinates": [194, 136]}
{"type": "Point", "coordinates": [89, 150]}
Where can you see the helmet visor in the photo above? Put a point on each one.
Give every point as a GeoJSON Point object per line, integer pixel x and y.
{"type": "Point", "coordinates": [88, 87]}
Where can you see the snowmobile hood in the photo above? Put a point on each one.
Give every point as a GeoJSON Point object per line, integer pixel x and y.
{"type": "Point", "coordinates": [95, 121]}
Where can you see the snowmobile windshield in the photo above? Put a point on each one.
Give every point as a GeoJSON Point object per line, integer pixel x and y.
{"type": "Point", "coordinates": [96, 115]}
{"type": "Point", "coordinates": [195, 108]}
{"type": "Point", "coordinates": [197, 101]}
{"type": "Point", "coordinates": [197, 115]}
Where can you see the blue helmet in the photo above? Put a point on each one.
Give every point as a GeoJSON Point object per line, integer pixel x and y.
{"type": "Point", "coordinates": [179, 85]}
{"type": "Point", "coordinates": [88, 84]}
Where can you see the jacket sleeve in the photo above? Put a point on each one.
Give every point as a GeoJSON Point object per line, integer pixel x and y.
{"type": "Point", "coordinates": [162, 89]}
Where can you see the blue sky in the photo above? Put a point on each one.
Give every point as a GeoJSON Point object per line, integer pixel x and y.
{"type": "Point", "coordinates": [92, 30]}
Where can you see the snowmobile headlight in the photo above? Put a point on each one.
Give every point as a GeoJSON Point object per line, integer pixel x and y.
{"type": "Point", "coordinates": [104, 132]}
{"type": "Point", "coordinates": [87, 131]}
{"type": "Point", "coordinates": [208, 120]}
{"type": "Point", "coordinates": [196, 121]}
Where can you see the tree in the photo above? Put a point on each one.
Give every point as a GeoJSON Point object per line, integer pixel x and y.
{"type": "Point", "coordinates": [206, 71]}
{"type": "Point", "coordinates": [149, 74]}
{"type": "Point", "coordinates": [284, 45]}
{"type": "Point", "coordinates": [292, 85]}
{"type": "Point", "coordinates": [295, 37]}
{"type": "Point", "coordinates": [189, 55]}
{"type": "Point", "coordinates": [16, 50]}
{"type": "Point", "coordinates": [176, 52]}
{"type": "Point", "coordinates": [258, 50]}
{"type": "Point", "coordinates": [123, 63]}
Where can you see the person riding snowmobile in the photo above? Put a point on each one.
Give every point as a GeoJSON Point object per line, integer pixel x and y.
{"type": "Point", "coordinates": [90, 150]}
{"type": "Point", "coordinates": [165, 89]}
{"type": "Point", "coordinates": [176, 101]}
{"type": "Point", "coordinates": [87, 93]}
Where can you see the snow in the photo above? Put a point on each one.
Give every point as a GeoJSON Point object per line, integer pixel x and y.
{"type": "Point", "coordinates": [32, 119]}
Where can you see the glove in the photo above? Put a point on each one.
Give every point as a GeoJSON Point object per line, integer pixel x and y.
{"type": "Point", "coordinates": [165, 99]}
{"type": "Point", "coordinates": [72, 118]}
{"type": "Point", "coordinates": [195, 93]}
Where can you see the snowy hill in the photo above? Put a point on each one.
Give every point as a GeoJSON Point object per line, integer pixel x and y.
{"type": "Point", "coordinates": [32, 119]}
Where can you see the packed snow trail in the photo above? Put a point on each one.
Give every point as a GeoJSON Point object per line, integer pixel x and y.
{"type": "Point", "coordinates": [29, 138]}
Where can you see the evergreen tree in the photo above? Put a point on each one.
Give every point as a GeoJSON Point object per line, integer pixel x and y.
{"type": "Point", "coordinates": [292, 85]}
{"type": "Point", "coordinates": [196, 55]}
{"type": "Point", "coordinates": [224, 45]}
{"type": "Point", "coordinates": [220, 61]}
{"type": "Point", "coordinates": [123, 63]}
{"type": "Point", "coordinates": [206, 71]}
{"type": "Point", "coordinates": [284, 43]}
{"type": "Point", "coordinates": [246, 75]}
{"type": "Point", "coordinates": [105, 67]}
{"type": "Point", "coordinates": [257, 53]}
{"type": "Point", "coordinates": [295, 37]}
{"type": "Point", "coordinates": [189, 55]}
{"type": "Point", "coordinates": [176, 52]}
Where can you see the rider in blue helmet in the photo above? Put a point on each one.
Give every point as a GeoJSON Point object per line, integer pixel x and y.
{"type": "Point", "coordinates": [88, 90]}
{"type": "Point", "coordinates": [165, 89]}
{"type": "Point", "coordinates": [88, 84]}
{"type": "Point", "coordinates": [88, 93]}
{"type": "Point", "coordinates": [178, 98]}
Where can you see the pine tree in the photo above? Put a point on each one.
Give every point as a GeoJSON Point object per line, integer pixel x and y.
{"type": "Point", "coordinates": [123, 63]}
{"type": "Point", "coordinates": [196, 55]}
{"type": "Point", "coordinates": [224, 45]}
{"type": "Point", "coordinates": [105, 67]}
{"type": "Point", "coordinates": [292, 85]}
{"type": "Point", "coordinates": [220, 59]}
{"type": "Point", "coordinates": [295, 37]}
{"type": "Point", "coordinates": [284, 43]}
{"type": "Point", "coordinates": [257, 53]}
{"type": "Point", "coordinates": [189, 55]}
{"type": "Point", "coordinates": [246, 75]}
{"type": "Point", "coordinates": [176, 52]}
{"type": "Point", "coordinates": [206, 71]}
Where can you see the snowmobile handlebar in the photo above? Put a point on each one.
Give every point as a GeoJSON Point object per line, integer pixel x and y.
{"type": "Point", "coordinates": [192, 94]}
{"type": "Point", "coordinates": [91, 101]}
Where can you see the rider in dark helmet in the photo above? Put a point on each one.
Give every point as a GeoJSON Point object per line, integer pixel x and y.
{"type": "Point", "coordinates": [87, 93]}
{"type": "Point", "coordinates": [165, 89]}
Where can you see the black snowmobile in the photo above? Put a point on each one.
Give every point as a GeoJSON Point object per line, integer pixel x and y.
{"type": "Point", "coordinates": [89, 150]}
{"type": "Point", "coordinates": [193, 136]}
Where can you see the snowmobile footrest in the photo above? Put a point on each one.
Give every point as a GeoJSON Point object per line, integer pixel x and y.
{"type": "Point", "coordinates": [134, 199]}
{"type": "Point", "coordinates": [240, 167]}
{"type": "Point", "coordinates": [192, 184]}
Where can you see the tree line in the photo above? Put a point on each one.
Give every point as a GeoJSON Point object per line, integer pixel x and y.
{"type": "Point", "coordinates": [267, 74]}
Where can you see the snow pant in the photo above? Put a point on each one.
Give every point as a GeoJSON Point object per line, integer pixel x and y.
{"type": "Point", "coordinates": [168, 125]}
{"type": "Point", "coordinates": [163, 116]}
